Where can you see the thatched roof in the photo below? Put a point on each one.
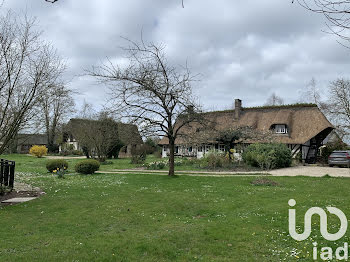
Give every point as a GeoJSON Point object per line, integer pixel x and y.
{"type": "Point", "coordinates": [32, 139]}
{"type": "Point", "coordinates": [128, 133]}
{"type": "Point", "coordinates": [304, 121]}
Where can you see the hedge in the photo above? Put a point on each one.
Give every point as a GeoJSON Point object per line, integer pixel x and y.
{"type": "Point", "coordinates": [267, 156]}
{"type": "Point", "coordinates": [89, 166]}
{"type": "Point", "coordinates": [55, 164]}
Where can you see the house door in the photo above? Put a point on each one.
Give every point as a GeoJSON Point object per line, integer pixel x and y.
{"type": "Point", "coordinates": [311, 156]}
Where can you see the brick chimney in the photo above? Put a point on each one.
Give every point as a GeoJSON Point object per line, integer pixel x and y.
{"type": "Point", "coordinates": [238, 108]}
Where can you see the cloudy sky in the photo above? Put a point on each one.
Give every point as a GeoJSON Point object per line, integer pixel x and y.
{"type": "Point", "coordinates": [244, 49]}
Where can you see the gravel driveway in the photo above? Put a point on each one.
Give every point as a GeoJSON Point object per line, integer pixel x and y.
{"type": "Point", "coordinates": [316, 171]}
{"type": "Point", "coordinates": [65, 157]}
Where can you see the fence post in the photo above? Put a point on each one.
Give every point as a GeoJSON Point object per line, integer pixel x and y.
{"type": "Point", "coordinates": [12, 174]}
{"type": "Point", "coordinates": [6, 173]}
{"type": "Point", "coordinates": [1, 172]}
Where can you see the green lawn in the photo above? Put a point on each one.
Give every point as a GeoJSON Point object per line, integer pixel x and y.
{"type": "Point", "coordinates": [28, 163]}
{"type": "Point", "coordinates": [109, 217]}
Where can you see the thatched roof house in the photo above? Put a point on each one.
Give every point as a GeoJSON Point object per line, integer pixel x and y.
{"type": "Point", "coordinates": [23, 142]}
{"type": "Point", "coordinates": [128, 134]}
{"type": "Point", "coordinates": [302, 127]}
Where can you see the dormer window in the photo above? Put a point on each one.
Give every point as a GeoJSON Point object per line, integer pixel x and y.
{"type": "Point", "coordinates": [280, 129]}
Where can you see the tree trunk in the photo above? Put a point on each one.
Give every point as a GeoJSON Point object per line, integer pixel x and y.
{"type": "Point", "coordinates": [172, 157]}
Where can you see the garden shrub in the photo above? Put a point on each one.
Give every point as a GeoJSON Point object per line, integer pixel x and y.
{"type": "Point", "coordinates": [89, 166]}
{"type": "Point", "coordinates": [151, 145]}
{"type": "Point", "coordinates": [267, 156]}
{"type": "Point", "coordinates": [77, 153]}
{"type": "Point", "coordinates": [213, 159]}
{"type": "Point", "coordinates": [53, 148]}
{"type": "Point", "coordinates": [38, 151]}
{"type": "Point", "coordinates": [157, 165]}
{"type": "Point", "coordinates": [157, 154]}
{"type": "Point", "coordinates": [138, 154]}
{"type": "Point", "coordinates": [55, 164]}
{"type": "Point", "coordinates": [179, 162]}
{"type": "Point", "coordinates": [67, 152]}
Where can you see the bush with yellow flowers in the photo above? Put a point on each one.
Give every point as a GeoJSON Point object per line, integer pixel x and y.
{"type": "Point", "coordinates": [38, 151]}
{"type": "Point", "coordinates": [55, 164]}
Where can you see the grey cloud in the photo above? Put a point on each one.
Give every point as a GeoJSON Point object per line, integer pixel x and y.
{"type": "Point", "coordinates": [246, 49]}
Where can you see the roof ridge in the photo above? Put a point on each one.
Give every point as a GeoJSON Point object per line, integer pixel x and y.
{"type": "Point", "coordinates": [296, 105]}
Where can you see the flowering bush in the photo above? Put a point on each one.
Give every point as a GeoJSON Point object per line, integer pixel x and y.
{"type": "Point", "coordinates": [156, 165]}
{"type": "Point", "coordinates": [55, 164]}
{"type": "Point", "coordinates": [38, 151]}
{"type": "Point", "coordinates": [179, 162]}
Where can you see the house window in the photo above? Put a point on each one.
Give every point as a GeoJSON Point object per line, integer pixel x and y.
{"type": "Point", "coordinates": [222, 148]}
{"type": "Point", "coordinates": [190, 149]}
{"type": "Point", "coordinates": [176, 150]}
{"type": "Point", "coordinates": [200, 149]}
{"type": "Point", "coordinates": [207, 148]}
{"type": "Point", "coordinates": [281, 129]}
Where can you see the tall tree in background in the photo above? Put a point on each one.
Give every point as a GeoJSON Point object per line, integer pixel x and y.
{"type": "Point", "coordinates": [274, 100]}
{"type": "Point", "coordinates": [311, 94]}
{"type": "Point", "coordinates": [98, 137]}
{"type": "Point", "coordinates": [151, 92]}
{"type": "Point", "coordinates": [27, 68]}
{"type": "Point", "coordinates": [56, 104]}
{"type": "Point", "coordinates": [86, 111]}
{"type": "Point", "coordinates": [339, 106]}
{"type": "Point", "coordinates": [335, 106]}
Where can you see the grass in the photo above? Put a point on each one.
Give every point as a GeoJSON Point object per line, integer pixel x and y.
{"type": "Point", "coordinates": [31, 164]}
{"type": "Point", "coordinates": [26, 163]}
{"type": "Point", "coordinates": [109, 217]}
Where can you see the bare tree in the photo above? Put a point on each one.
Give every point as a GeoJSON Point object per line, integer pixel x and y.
{"type": "Point", "coordinates": [25, 72]}
{"type": "Point", "coordinates": [233, 136]}
{"type": "Point", "coordinates": [56, 104]}
{"type": "Point", "coordinates": [312, 93]}
{"type": "Point", "coordinates": [336, 108]}
{"type": "Point", "coordinates": [98, 137]}
{"type": "Point", "coordinates": [151, 92]}
{"type": "Point", "coordinates": [274, 100]}
{"type": "Point", "coordinates": [339, 106]}
{"type": "Point", "coordinates": [335, 12]}
{"type": "Point", "coordinates": [86, 111]}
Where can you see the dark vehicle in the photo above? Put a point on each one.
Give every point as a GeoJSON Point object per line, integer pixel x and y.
{"type": "Point", "coordinates": [339, 158]}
